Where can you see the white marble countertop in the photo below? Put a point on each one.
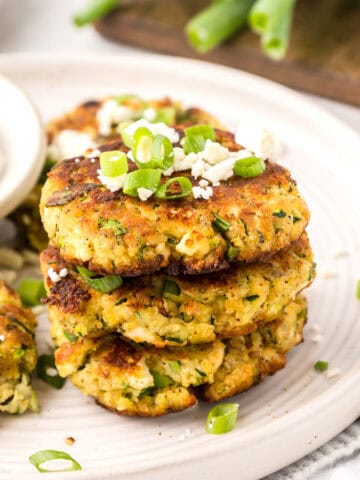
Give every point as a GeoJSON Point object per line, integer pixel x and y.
{"type": "Point", "coordinates": [45, 26]}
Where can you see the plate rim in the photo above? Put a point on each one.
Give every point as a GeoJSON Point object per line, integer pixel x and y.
{"type": "Point", "coordinates": [346, 381]}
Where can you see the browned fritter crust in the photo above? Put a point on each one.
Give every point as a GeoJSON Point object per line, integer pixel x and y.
{"type": "Point", "coordinates": [223, 304]}
{"type": "Point", "coordinates": [249, 360]}
{"type": "Point", "coordinates": [266, 213]}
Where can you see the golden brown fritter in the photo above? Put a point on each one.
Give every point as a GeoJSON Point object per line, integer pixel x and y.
{"type": "Point", "coordinates": [224, 304]}
{"type": "Point", "coordinates": [249, 359]}
{"type": "Point", "coordinates": [265, 213]}
{"type": "Point", "coordinates": [145, 381]}
{"type": "Point", "coordinates": [137, 380]}
{"type": "Point", "coordinates": [17, 354]}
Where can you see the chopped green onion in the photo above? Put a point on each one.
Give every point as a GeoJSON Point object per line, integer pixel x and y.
{"type": "Point", "coordinates": [19, 352]}
{"type": "Point", "coordinates": [251, 298]}
{"type": "Point", "coordinates": [128, 96]}
{"type": "Point", "coordinates": [104, 284]}
{"type": "Point", "coordinates": [232, 253]}
{"type": "Point", "coordinates": [166, 115]}
{"type": "Point", "coordinates": [171, 287]}
{"type": "Point", "coordinates": [220, 223]}
{"type": "Point", "coordinates": [216, 23]}
{"type": "Point", "coordinates": [161, 380]}
{"type": "Point", "coordinates": [114, 163]}
{"type": "Point", "coordinates": [358, 290]}
{"type": "Point", "coordinates": [222, 418]}
{"type": "Point", "coordinates": [127, 138]}
{"type": "Point", "coordinates": [39, 458]}
{"type": "Point", "coordinates": [182, 182]}
{"type": "Point", "coordinates": [152, 151]}
{"type": "Point", "coordinates": [115, 225]}
{"type": "Point", "coordinates": [143, 141]}
{"type": "Point", "coordinates": [94, 11]}
{"type": "Point", "coordinates": [31, 291]}
{"type": "Point", "coordinates": [249, 167]}
{"type": "Point", "coordinates": [321, 366]}
{"type": "Point", "coordinates": [272, 19]}
{"type": "Point", "coordinates": [46, 370]}
{"type": "Point", "coordinates": [70, 336]}
{"type": "Point", "coordinates": [143, 178]}
{"type": "Point", "coordinates": [162, 153]}
{"type": "Point", "coordinates": [200, 372]}
{"type": "Point", "coordinates": [175, 365]}
{"type": "Point", "coordinates": [196, 136]}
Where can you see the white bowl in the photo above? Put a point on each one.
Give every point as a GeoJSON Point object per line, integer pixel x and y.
{"type": "Point", "coordinates": [22, 146]}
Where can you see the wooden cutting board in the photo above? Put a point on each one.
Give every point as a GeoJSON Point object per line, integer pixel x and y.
{"type": "Point", "coordinates": [323, 58]}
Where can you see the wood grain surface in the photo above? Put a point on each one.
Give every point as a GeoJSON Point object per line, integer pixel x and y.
{"type": "Point", "coordinates": [323, 58]}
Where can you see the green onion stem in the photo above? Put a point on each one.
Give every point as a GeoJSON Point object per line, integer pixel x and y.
{"type": "Point", "coordinates": [143, 178]}
{"type": "Point", "coordinates": [249, 167]}
{"type": "Point", "coordinates": [321, 366]}
{"type": "Point", "coordinates": [171, 287]}
{"type": "Point", "coordinates": [216, 23]}
{"type": "Point", "coordinates": [272, 20]}
{"type": "Point", "coordinates": [46, 371]}
{"type": "Point", "coordinates": [104, 284]}
{"type": "Point", "coordinates": [220, 223]}
{"type": "Point", "coordinates": [182, 182]}
{"type": "Point", "coordinates": [38, 458]}
{"type": "Point", "coordinates": [113, 163]}
{"type": "Point", "coordinates": [31, 291]}
{"type": "Point", "coordinates": [222, 418]}
{"type": "Point", "coordinates": [94, 11]}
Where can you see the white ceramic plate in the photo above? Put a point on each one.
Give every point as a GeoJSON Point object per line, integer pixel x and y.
{"type": "Point", "coordinates": [22, 146]}
{"type": "Point", "coordinates": [290, 414]}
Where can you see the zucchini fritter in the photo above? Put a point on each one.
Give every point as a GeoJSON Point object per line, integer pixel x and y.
{"type": "Point", "coordinates": [17, 354]}
{"type": "Point", "coordinates": [232, 302]}
{"type": "Point", "coordinates": [265, 213]}
{"type": "Point", "coordinates": [146, 381]}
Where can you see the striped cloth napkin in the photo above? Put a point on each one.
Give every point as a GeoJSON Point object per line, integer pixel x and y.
{"type": "Point", "coordinates": [338, 449]}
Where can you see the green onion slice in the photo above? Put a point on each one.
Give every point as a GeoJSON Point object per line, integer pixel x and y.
{"type": "Point", "coordinates": [162, 153]}
{"type": "Point", "coordinates": [104, 284]}
{"type": "Point", "coordinates": [166, 115]}
{"type": "Point", "coordinates": [321, 366]}
{"type": "Point", "coordinates": [176, 187]}
{"type": "Point", "coordinates": [196, 136]}
{"type": "Point", "coordinates": [143, 178]}
{"type": "Point", "coordinates": [114, 225]}
{"type": "Point", "coordinates": [161, 380]}
{"type": "Point", "coordinates": [31, 291]}
{"type": "Point", "coordinates": [222, 418]}
{"type": "Point", "coordinates": [358, 290]}
{"type": "Point", "coordinates": [220, 223]}
{"type": "Point", "coordinates": [171, 287]}
{"type": "Point", "coordinates": [127, 138]}
{"type": "Point", "coordinates": [39, 458]}
{"type": "Point", "coordinates": [142, 147]}
{"type": "Point", "coordinates": [129, 96]}
{"type": "Point", "coordinates": [95, 11]}
{"type": "Point", "coordinates": [46, 370]}
{"type": "Point", "coordinates": [70, 336]}
{"type": "Point", "coordinates": [113, 163]}
{"type": "Point", "coordinates": [249, 167]}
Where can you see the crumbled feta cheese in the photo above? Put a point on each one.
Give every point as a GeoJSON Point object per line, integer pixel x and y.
{"type": "Point", "coordinates": [63, 272]}
{"type": "Point", "coordinates": [54, 277]}
{"type": "Point", "coordinates": [333, 373]}
{"type": "Point", "coordinates": [112, 113]}
{"type": "Point", "coordinates": [183, 162]}
{"type": "Point", "coordinates": [144, 193]}
{"type": "Point", "coordinates": [94, 153]}
{"type": "Point", "coordinates": [155, 128]}
{"type": "Point", "coordinates": [112, 183]}
{"type": "Point", "coordinates": [68, 144]}
{"type": "Point", "coordinates": [92, 160]}
{"type": "Point", "coordinates": [200, 192]}
{"type": "Point", "coordinates": [214, 152]}
{"type": "Point", "coordinates": [2, 338]}
{"type": "Point", "coordinates": [77, 160]}
{"type": "Point", "coordinates": [258, 140]}
{"type": "Point", "coordinates": [149, 114]}
{"type": "Point", "coordinates": [220, 171]}
{"type": "Point", "coordinates": [203, 183]}
{"type": "Point", "coordinates": [244, 153]}
{"type": "Point", "coordinates": [199, 168]}
{"type": "Point", "coordinates": [316, 338]}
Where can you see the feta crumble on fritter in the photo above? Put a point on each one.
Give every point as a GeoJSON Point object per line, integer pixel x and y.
{"type": "Point", "coordinates": [68, 144]}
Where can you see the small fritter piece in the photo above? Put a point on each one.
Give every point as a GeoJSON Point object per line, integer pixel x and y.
{"type": "Point", "coordinates": [138, 381]}
{"type": "Point", "coordinates": [17, 354]}
{"type": "Point", "coordinates": [147, 309]}
{"type": "Point", "coordinates": [249, 359]}
{"type": "Point", "coordinates": [110, 232]}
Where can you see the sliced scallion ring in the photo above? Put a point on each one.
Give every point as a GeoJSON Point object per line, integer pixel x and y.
{"type": "Point", "coordinates": [321, 366]}
{"type": "Point", "coordinates": [46, 370]}
{"type": "Point", "coordinates": [196, 136]}
{"type": "Point", "coordinates": [165, 192]}
{"type": "Point", "coordinates": [166, 115]}
{"type": "Point", "coordinates": [143, 178]}
{"type": "Point", "coordinates": [31, 291]}
{"type": "Point", "coordinates": [127, 138]}
{"type": "Point", "coordinates": [220, 223]}
{"type": "Point", "coordinates": [113, 163]}
{"type": "Point", "coordinates": [161, 380]}
{"type": "Point", "coordinates": [43, 456]}
{"type": "Point", "coordinates": [162, 153]}
{"type": "Point", "coordinates": [222, 418]}
{"type": "Point", "coordinates": [104, 284]}
{"type": "Point", "coordinates": [249, 167]}
{"type": "Point", "coordinates": [204, 130]}
{"type": "Point", "coordinates": [142, 147]}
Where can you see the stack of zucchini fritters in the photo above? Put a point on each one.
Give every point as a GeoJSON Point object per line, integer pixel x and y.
{"type": "Point", "coordinates": [156, 303]}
